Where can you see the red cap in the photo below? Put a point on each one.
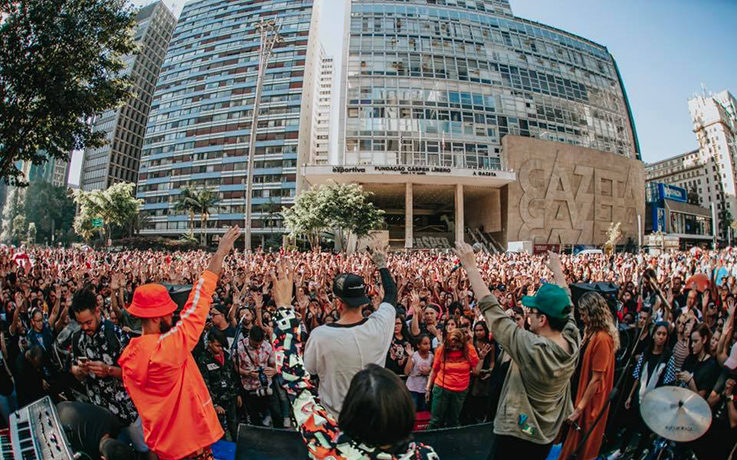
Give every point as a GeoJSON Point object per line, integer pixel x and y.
{"type": "Point", "coordinates": [151, 301]}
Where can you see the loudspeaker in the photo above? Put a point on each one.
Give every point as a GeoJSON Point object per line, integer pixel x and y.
{"type": "Point", "coordinates": [607, 290]}
{"type": "Point", "coordinates": [472, 442]}
{"type": "Point", "coordinates": [179, 293]}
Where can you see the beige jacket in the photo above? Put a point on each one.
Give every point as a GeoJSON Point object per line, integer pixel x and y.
{"type": "Point", "coordinates": [536, 396]}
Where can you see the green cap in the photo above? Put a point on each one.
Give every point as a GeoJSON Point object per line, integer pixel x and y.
{"type": "Point", "coordinates": [550, 299]}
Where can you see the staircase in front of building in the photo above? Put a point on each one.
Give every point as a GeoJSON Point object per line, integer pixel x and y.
{"type": "Point", "coordinates": [486, 240]}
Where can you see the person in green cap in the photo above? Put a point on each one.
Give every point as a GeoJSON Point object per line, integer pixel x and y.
{"type": "Point", "coordinates": [536, 395]}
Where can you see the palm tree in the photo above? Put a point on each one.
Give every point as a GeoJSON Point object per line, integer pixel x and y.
{"type": "Point", "coordinates": [186, 203]}
{"type": "Point", "coordinates": [204, 200]}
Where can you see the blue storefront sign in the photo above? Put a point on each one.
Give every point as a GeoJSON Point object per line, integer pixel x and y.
{"type": "Point", "coordinates": [672, 192]}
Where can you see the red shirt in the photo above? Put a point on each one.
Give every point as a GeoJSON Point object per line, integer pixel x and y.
{"type": "Point", "coordinates": [454, 372]}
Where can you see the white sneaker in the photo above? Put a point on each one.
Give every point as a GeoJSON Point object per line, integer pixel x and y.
{"type": "Point", "coordinates": [614, 455]}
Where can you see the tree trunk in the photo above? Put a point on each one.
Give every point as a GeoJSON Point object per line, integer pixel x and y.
{"type": "Point", "coordinates": [203, 233]}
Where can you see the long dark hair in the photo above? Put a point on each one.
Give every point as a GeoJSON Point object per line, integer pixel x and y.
{"type": "Point", "coordinates": [486, 333]}
{"type": "Point", "coordinates": [705, 333]}
{"type": "Point", "coordinates": [377, 410]}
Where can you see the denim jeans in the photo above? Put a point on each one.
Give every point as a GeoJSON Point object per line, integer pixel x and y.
{"type": "Point", "coordinates": [446, 407]}
{"type": "Point", "coordinates": [8, 405]}
{"type": "Point", "coordinates": [419, 400]}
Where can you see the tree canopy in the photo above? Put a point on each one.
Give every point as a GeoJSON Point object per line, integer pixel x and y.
{"type": "Point", "coordinates": [192, 201]}
{"type": "Point", "coordinates": [51, 208]}
{"type": "Point", "coordinates": [115, 206]}
{"type": "Point", "coordinates": [61, 63]}
{"type": "Point", "coordinates": [346, 208]}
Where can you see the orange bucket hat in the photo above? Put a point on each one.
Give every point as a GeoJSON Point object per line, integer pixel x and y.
{"type": "Point", "coordinates": [151, 301]}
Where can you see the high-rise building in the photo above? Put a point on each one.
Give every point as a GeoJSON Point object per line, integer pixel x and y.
{"type": "Point", "coordinates": [54, 171]}
{"type": "Point", "coordinates": [443, 82]}
{"type": "Point", "coordinates": [323, 109]}
{"type": "Point", "coordinates": [432, 87]}
{"type": "Point", "coordinates": [686, 170]}
{"type": "Point", "coordinates": [200, 121]}
{"type": "Point", "coordinates": [117, 160]}
{"type": "Point", "coordinates": [708, 173]}
{"type": "Point", "coordinates": [715, 124]}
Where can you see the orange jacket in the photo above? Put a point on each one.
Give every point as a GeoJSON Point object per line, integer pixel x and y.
{"type": "Point", "coordinates": [166, 386]}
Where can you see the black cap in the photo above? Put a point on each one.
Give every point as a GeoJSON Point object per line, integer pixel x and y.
{"type": "Point", "coordinates": [221, 308]}
{"type": "Point", "coordinates": [351, 289]}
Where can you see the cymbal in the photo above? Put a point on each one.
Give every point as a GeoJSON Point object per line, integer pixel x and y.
{"type": "Point", "coordinates": [676, 413]}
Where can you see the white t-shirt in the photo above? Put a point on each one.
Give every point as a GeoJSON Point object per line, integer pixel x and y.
{"type": "Point", "coordinates": [335, 353]}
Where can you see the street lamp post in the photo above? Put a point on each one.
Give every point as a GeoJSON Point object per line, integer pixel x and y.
{"type": "Point", "coordinates": [269, 31]}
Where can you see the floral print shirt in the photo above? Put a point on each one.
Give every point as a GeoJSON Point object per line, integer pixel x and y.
{"type": "Point", "coordinates": [319, 430]}
{"type": "Point", "coordinates": [105, 345]}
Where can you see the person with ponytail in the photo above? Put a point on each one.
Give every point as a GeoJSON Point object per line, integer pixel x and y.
{"type": "Point", "coordinates": [596, 377]}
{"type": "Point", "coordinates": [454, 362]}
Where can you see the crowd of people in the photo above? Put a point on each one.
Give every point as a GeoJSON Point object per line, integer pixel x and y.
{"type": "Point", "coordinates": [369, 339]}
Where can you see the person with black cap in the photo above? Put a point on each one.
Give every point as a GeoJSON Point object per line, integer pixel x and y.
{"type": "Point", "coordinates": [336, 352]}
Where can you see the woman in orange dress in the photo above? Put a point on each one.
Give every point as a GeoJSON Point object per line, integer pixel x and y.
{"type": "Point", "coordinates": [596, 379]}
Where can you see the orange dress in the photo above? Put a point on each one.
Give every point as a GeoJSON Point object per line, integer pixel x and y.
{"type": "Point", "coordinates": [599, 357]}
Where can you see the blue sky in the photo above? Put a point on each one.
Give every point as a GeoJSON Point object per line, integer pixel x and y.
{"type": "Point", "coordinates": [666, 50]}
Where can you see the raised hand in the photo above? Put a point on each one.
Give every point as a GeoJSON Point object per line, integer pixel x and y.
{"type": "Point", "coordinates": [226, 242]}
{"type": "Point", "coordinates": [465, 253]}
{"type": "Point", "coordinates": [283, 283]}
{"type": "Point", "coordinates": [378, 255]}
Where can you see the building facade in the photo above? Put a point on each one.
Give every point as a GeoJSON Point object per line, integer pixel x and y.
{"type": "Point", "coordinates": [53, 171]}
{"type": "Point", "coordinates": [200, 121]}
{"type": "Point", "coordinates": [117, 160]}
{"type": "Point", "coordinates": [671, 218]}
{"type": "Point", "coordinates": [715, 124]}
{"type": "Point", "coordinates": [320, 153]}
{"type": "Point", "coordinates": [687, 171]}
{"type": "Point", "coordinates": [708, 173]}
{"type": "Point", "coordinates": [431, 88]}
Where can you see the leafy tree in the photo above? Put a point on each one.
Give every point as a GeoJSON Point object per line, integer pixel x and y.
{"type": "Point", "coordinates": [19, 229]}
{"type": "Point", "coordinates": [116, 206]}
{"type": "Point", "coordinates": [186, 203]}
{"type": "Point", "coordinates": [14, 206]}
{"type": "Point", "coordinates": [195, 202]}
{"type": "Point", "coordinates": [725, 218]}
{"type": "Point", "coordinates": [61, 63]}
{"type": "Point", "coordinates": [51, 208]}
{"type": "Point", "coordinates": [346, 208]}
{"type": "Point", "coordinates": [304, 219]}
{"type": "Point", "coordinates": [204, 201]}
{"type": "Point", "coordinates": [31, 233]}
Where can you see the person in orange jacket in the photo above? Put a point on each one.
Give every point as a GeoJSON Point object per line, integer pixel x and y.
{"type": "Point", "coordinates": [160, 374]}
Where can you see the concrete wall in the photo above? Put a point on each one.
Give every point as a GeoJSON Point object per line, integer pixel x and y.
{"type": "Point", "coordinates": [483, 210]}
{"type": "Point", "coordinates": [569, 195]}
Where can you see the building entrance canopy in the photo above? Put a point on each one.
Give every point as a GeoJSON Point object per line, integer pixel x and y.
{"type": "Point", "coordinates": [425, 206]}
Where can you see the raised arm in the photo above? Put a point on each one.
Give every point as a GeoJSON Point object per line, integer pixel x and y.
{"type": "Point", "coordinates": [416, 312]}
{"type": "Point", "coordinates": [114, 298]}
{"type": "Point", "coordinates": [183, 337]}
{"type": "Point", "coordinates": [16, 314]}
{"type": "Point", "coordinates": [390, 289]}
{"type": "Point", "coordinates": [54, 315]}
{"type": "Point", "coordinates": [517, 342]}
